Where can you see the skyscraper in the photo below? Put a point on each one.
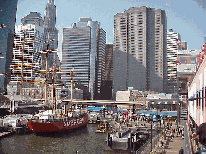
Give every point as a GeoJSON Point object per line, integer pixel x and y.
{"type": "Point", "coordinates": [173, 45]}
{"type": "Point", "coordinates": [140, 50]}
{"type": "Point", "coordinates": [28, 41]}
{"type": "Point", "coordinates": [33, 18]}
{"type": "Point", "coordinates": [100, 62]}
{"type": "Point", "coordinates": [83, 49]}
{"type": "Point", "coordinates": [33, 34]}
{"type": "Point", "coordinates": [7, 22]}
{"type": "Point", "coordinates": [50, 33]}
{"type": "Point", "coordinates": [106, 88]}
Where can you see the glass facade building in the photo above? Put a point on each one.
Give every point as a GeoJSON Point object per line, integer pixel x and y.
{"type": "Point", "coordinates": [76, 54]}
{"type": "Point", "coordinates": [83, 49]}
{"type": "Point", "coordinates": [7, 19]}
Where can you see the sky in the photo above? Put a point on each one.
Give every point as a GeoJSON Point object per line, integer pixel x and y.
{"type": "Point", "coordinates": [186, 17]}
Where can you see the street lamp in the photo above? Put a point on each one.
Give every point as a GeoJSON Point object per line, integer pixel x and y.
{"type": "Point", "coordinates": [151, 135]}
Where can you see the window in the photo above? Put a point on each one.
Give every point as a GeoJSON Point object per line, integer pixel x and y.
{"type": "Point", "coordinates": [193, 60]}
{"type": "Point", "coordinates": [182, 60]}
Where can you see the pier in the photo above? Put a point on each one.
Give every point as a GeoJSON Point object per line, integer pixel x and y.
{"type": "Point", "coordinates": [139, 136]}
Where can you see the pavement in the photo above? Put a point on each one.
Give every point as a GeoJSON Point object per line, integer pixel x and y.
{"type": "Point", "coordinates": [171, 146]}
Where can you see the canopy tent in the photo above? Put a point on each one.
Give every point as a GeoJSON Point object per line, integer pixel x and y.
{"type": "Point", "coordinates": [93, 108]}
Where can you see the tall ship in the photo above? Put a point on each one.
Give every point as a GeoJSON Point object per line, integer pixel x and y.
{"type": "Point", "coordinates": [55, 120]}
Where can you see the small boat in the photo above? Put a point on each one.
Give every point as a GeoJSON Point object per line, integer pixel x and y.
{"type": "Point", "coordinates": [101, 129]}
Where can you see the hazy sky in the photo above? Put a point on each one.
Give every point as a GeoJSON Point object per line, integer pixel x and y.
{"type": "Point", "coordinates": [185, 16]}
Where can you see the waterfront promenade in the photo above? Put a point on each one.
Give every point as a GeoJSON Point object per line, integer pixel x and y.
{"type": "Point", "coordinates": [170, 146]}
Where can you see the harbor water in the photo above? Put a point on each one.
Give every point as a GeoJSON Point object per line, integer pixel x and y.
{"type": "Point", "coordinates": [83, 140]}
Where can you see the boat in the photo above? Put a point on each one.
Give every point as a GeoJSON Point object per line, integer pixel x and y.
{"type": "Point", "coordinates": [56, 120]}
{"type": "Point", "coordinates": [46, 121]}
{"type": "Point", "coordinates": [101, 129]}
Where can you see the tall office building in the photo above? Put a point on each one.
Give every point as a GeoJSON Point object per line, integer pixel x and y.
{"type": "Point", "coordinates": [83, 49]}
{"type": "Point", "coordinates": [7, 23]}
{"type": "Point", "coordinates": [173, 45]}
{"type": "Point", "coordinates": [106, 90]}
{"type": "Point", "coordinates": [100, 62]}
{"type": "Point", "coordinates": [50, 33]}
{"type": "Point", "coordinates": [33, 18]}
{"type": "Point", "coordinates": [140, 50]}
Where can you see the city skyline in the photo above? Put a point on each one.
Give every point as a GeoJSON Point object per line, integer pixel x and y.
{"type": "Point", "coordinates": [54, 17]}
{"type": "Point", "coordinates": [190, 23]}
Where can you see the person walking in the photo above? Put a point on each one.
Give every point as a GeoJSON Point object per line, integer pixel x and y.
{"type": "Point", "coordinates": [181, 151]}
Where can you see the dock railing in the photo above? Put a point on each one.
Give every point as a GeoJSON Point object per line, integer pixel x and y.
{"type": "Point", "coordinates": [146, 148]}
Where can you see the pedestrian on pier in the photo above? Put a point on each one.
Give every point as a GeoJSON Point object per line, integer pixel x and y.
{"type": "Point", "coordinates": [178, 131]}
{"type": "Point", "coordinates": [162, 143]}
{"type": "Point", "coordinates": [181, 131]}
{"type": "Point", "coordinates": [181, 151]}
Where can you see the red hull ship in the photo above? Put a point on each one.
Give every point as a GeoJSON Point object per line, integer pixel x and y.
{"type": "Point", "coordinates": [58, 119]}
{"type": "Point", "coordinates": [53, 124]}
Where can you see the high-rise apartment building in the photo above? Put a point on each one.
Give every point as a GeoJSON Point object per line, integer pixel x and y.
{"type": "Point", "coordinates": [83, 49]}
{"type": "Point", "coordinates": [173, 45]}
{"type": "Point", "coordinates": [7, 23]}
{"type": "Point", "coordinates": [140, 50]}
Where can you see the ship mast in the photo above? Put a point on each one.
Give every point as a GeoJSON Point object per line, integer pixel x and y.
{"type": "Point", "coordinates": [53, 92]}
{"type": "Point", "coordinates": [54, 71]}
{"type": "Point", "coordinates": [47, 51]}
{"type": "Point", "coordinates": [22, 62]}
{"type": "Point", "coordinates": [72, 77]}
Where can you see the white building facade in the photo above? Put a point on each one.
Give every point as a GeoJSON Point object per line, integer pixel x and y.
{"type": "Point", "coordinates": [29, 40]}
{"type": "Point", "coordinates": [173, 45]}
